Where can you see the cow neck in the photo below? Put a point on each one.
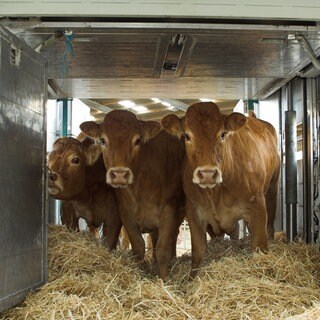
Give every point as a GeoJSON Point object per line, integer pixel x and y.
{"type": "Point", "coordinates": [84, 196]}
{"type": "Point", "coordinates": [94, 177]}
{"type": "Point", "coordinates": [140, 160]}
{"type": "Point", "coordinates": [230, 176]}
{"type": "Point", "coordinates": [96, 174]}
{"type": "Point", "coordinates": [232, 163]}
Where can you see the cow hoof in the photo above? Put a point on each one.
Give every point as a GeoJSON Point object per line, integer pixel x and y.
{"type": "Point", "coordinates": [263, 249]}
{"type": "Point", "coordinates": [193, 274]}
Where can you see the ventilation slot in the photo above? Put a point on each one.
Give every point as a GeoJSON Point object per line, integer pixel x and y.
{"type": "Point", "coordinates": [15, 56]}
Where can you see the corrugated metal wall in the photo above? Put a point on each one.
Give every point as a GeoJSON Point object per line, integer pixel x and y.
{"type": "Point", "coordinates": [23, 239]}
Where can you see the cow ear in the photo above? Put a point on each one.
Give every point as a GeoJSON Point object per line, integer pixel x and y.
{"type": "Point", "coordinates": [56, 144]}
{"type": "Point", "coordinates": [92, 154]}
{"type": "Point", "coordinates": [90, 128]}
{"type": "Point", "coordinates": [149, 129]}
{"type": "Point", "coordinates": [81, 136]}
{"type": "Point", "coordinates": [172, 124]}
{"type": "Point", "coordinates": [235, 121]}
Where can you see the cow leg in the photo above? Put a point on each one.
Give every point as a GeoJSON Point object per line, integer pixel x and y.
{"type": "Point", "coordinates": [211, 232]}
{"type": "Point", "coordinates": [111, 231]}
{"type": "Point", "coordinates": [178, 221]}
{"type": "Point", "coordinates": [94, 231]}
{"type": "Point", "coordinates": [198, 231]}
{"type": "Point", "coordinates": [69, 215]}
{"type": "Point", "coordinates": [167, 240]}
{"type": "Point", "coordinates": [154, 238]}
{"type": "Point", "coordinates": [137, 242]}
{"type": "Point", "coordinates": [75, 224]}
{"type": "Point", "coordinates": [271, 202]}
{"type": "Point", "coordinates": [135, 237]}
{"type": "Point", "coordinates": [258, 224]}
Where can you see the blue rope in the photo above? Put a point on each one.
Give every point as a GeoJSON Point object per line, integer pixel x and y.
{"type": "Point", "coordinates": [67, 52]}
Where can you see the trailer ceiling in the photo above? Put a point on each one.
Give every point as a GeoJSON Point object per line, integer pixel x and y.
{"type": "Point", "coordinates": [105, 61]}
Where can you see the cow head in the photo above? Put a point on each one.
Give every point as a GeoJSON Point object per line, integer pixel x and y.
{"type": "Point", "coordinates": [121, 136]}
{"type": "Point", "coordinates": [206, 132]}
{"type": "Point", "coordinates": [66, 165]}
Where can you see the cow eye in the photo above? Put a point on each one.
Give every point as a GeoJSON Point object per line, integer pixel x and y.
{"type": "Point", "coordinates": [137, 142]}
{"type": "Point", "coordinates": [102, 141]}
{"type": "Point", "coordinates": [75, 160]}
{"type": "Point", "coordinates": [187, 137]}
{"type": "Point", "coordinates": [223, 135]}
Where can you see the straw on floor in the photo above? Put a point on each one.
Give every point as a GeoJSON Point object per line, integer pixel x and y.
{"type": "Point", "coordinates": [88, 282]}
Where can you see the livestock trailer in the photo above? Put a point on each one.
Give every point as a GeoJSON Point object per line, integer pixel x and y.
{"type": "Point", "coordinates": [264, 53]}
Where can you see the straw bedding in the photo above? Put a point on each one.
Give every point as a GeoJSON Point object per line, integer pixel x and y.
{"type": "Point", "coordinates": [88, 282]}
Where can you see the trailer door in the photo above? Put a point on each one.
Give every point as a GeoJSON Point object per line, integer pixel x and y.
{"type": "Point", "coordinates": [23, 235]}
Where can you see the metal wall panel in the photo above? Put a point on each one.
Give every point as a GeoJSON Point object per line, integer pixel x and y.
{"type": "Point", "coordinates": [23, 235]}
{"type": "Point", "coordinates": [297, 102]}
{"type": "Point", "coordinates": [316, 166]}
{"type": "Point", "coordinates": [254, 9]}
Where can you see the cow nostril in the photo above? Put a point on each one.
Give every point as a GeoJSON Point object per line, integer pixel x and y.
{"type": "Point", "coordinates": [214, 173]}
{"type": "Point", "coordinates": [126, 175]}
{"type": "Point", "coordinates": [113, 174]}
{"type": "Point", "coordinates": [53, 176]}
{"type": "Point", "coordinates": [200, 175]}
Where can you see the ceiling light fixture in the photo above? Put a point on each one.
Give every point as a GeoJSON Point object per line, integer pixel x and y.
{"type": "Point", "coordinates": [139, 109]}
{"type": "Point", "coordinates": [205, 100]}
{"type": "Point", "coordinates": [127, 103]}
{"type": "Point", "coordinates": [167, 104]}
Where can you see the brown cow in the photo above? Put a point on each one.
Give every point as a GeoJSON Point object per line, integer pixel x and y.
{"type": "Point", "coordinates": [69, 215]}
{"type": "Point", "coordinates": [143, 165]}
{"type": "Point", "coordinates": [70, 218]}
{"type": "Point", "coordinates": [76, 173]}
{"type": "Point", "coordinates": [231, 172]}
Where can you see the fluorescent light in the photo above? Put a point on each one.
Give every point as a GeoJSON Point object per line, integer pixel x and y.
{"type": "Point", "coordinates": [205, 99]}
{"type": "Point", "coordinates": [156, 100]}
{"type": "Point", "coordinates": [127, 103]}
{"type": "Point", "coordinates": [167, 104]}
{"type": "Point", "coordinates": [139, 109]}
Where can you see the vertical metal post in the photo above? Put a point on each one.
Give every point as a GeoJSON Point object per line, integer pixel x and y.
{"type": "Point", "coordinates": [316, 169]}
{"type": "Point", "coordinates": [249, 105]}
{"type": "Point", "coordinates": [64, 129]}
{"type": "Point", "coordinates": [63, 118]}
{"type": "Point", "coordinates": [309, 99]}
{"type": "Point", "coordinates": [291, 168]}
{"type": "Point", "coordinates": [281, 149]}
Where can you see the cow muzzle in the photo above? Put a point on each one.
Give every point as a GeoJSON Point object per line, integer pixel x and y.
{"type": "Point", "coordinates": [119, 177]}
{"type": "Point", "coordinates": [207, 177]}
{"type": "Point", "coordinates": [55, 185]}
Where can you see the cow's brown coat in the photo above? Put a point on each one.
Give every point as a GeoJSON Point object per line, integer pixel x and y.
{"type": "Point", "coordinates": [231, 172]}
{"type": "Point", "coordinates": [76, 175]}
{"type": "Point", "coordinates": [143, 164]}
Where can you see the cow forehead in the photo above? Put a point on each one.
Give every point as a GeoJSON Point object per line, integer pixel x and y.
{"type": "Point", "coordinates": [64, 148]}
{"type": "Point", "coordinates": [60, 156]}
{"type": "Point", "coordinates": [204, 116]}
{"type": "Point", "coordinates": [65, 143]}
{"type": "Point", "coordinates": [120, 123]}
